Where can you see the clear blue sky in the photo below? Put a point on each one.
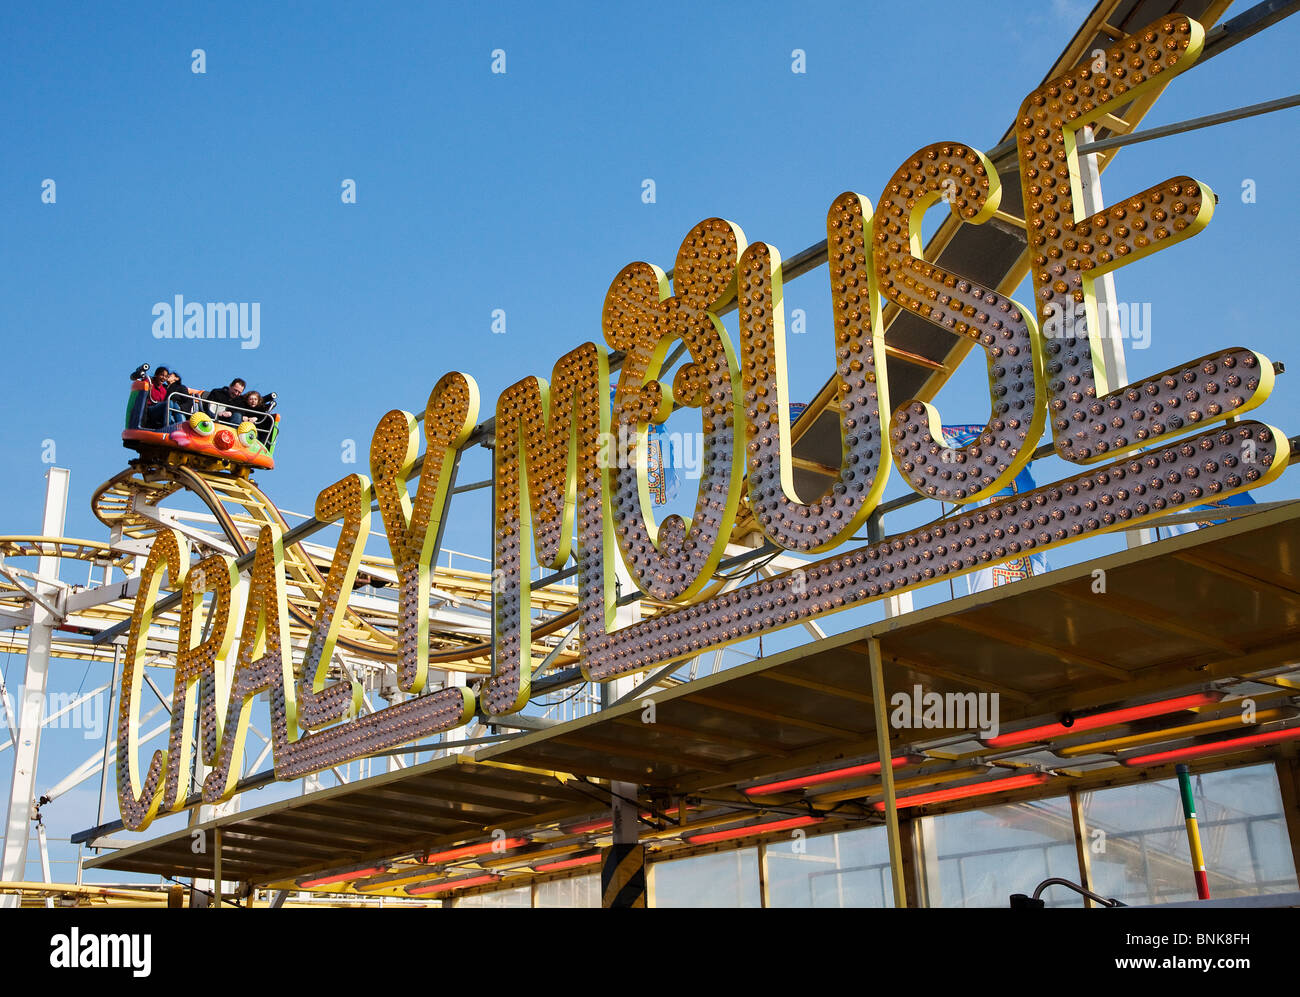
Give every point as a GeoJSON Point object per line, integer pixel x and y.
{"type": "Point", "coordinates": [478, 191]}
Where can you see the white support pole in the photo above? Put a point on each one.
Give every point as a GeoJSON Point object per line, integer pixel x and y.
{"type": "Point", "coordinates": [109, 727]}
{"type": "Point", "coordinates": [898, 605]}
{"type": "Point", "coordinates": [22, 790]}
{"type": "Point", "coordinates": [1111, 335]}
{"type": "Point", "coordinates": [451, 679]}
{"type": "Point", "coordinates": [11, 722]}
{"type": "Point", "coordinates": [611, 692]}
{"type": "Point", "coordinates": [44, 845]}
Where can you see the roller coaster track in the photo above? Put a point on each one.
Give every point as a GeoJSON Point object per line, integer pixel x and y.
{"type": "Point", "coordinates": [241, 510]}
{"type": "Point", "coordinates": [129, 502]}
{"type": "Point", "coordinates": [17, 588]}
{"type": "Point", "coordinates": [223, 495]}
{"type": "Point", "coordinates": [94, 551]}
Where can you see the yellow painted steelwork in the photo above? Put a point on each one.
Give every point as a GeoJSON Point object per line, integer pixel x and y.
{"type": "Point", "coordinates": [1171, 734]}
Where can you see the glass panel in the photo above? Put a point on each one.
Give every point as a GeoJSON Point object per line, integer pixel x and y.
{"type": "Point", "coordinates": [983, 856]}
{"type": "Point", "coordinates": [849, 869]}
{"type": "Point", "coordinates": [519, 897]}
{"type": "Point", "coordinates": [723, 879]}
{"type": "Point", "coordinates": [583, 891]}
{"type": "Point", "coordinates": [1142, 856]}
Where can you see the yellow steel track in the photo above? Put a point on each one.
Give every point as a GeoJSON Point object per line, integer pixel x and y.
{"type": "Point", "coordinates": [241, 509]}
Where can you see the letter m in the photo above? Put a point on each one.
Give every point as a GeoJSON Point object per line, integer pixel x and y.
{"type": "Point", "coordinates": [115, 951]}
{"type": "Point", "coordinates": [223, 316]}
{"type": "Point", "coordinates": [549, 479]}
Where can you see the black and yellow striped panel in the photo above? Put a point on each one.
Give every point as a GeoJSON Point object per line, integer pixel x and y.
{"type": "Point", "coordinates": [622, 876]}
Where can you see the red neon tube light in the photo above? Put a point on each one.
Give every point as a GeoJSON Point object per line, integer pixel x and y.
{"type": "Point", "coordinates": [453, 884]}
{"type": "Point", "coordinates": [342, 877]}
{"type": "Point", "coordinates": [835, 775]}
{"type": "Point", "coordinates": [469, 851]}
{"type": "Point", "coordinates": [963, 792]}
{"type": "Point", "coordinates": [1110, 718]}
{"type": "Point", "coordinates": [745, 832]}
{"type": "Point", "coordinates": [1215, 747]}
{"type": "Point", "coordinates": [567, 864]}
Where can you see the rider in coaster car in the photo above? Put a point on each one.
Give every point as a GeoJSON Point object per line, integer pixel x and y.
{"type": "Point", "coordinates": [158, 384]}
{"type": "Point", "coordinates": [229, 395]}
{"type": "Point", "coordinates": [156, 414]}
{"type": "Point", "coordinates": [259, 416]}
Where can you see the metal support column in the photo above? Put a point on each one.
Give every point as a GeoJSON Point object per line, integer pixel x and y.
{"type": "Point", "coordinates": [880, 703]}
{"type": "Point", "coordinates": [44, 845]}
{"type": "Point", "coordinates": [913, 872]}
{"type": "Point", "coordinates": [622, 865]}
{"type": "Point", "coordinates": [1082, 851]}
{"type": "Point", "coordinates": [27, 747]}
{"type": "Point", "coordinates": [216, 867]}
{"type": "Point", "coordinates": [109, 728]}
{"type": "Point", "coordinates": [1288, 780]}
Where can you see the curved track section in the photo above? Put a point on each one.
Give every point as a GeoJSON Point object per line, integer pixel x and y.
{"type": "Point", "coordinates": [129, 505]}
{"type": "Point", "coordinates": [223, 495]}
{"type": "Point", "coordinates": [18, 586]}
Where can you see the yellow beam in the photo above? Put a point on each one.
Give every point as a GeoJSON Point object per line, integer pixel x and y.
{"type": "Point", "coordinates": [830, 690]}
{"type": "Point", "coordinates": [924, 780]}
{"type": "Point", "coordinates": [35, 889]}
{"type": "Point", "coordinates": [1170, 734]}
{"type": "Point", "coordinates": [1081, 849]}
{"type": "Point", "coordinates": [754, 711]}
{"type": "Point", "coordinates": [887, 774]}
{"type": "Point", "coordinates": [1002, 216]}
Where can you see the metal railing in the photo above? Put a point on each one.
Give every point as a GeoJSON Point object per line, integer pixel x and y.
{"type": "Point", "coordinates": [215, 409]}
{"type": "Point", "coordinates": [181, 405]}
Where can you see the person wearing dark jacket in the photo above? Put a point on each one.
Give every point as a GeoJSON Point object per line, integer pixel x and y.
{"type": "Point", "coordinates": [229, 395]}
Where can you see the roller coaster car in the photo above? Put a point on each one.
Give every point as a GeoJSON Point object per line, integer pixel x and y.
{"type": "Point", "coordinates": [227, 445]}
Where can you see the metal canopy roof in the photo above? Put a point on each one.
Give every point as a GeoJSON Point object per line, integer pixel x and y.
{"type": "Point", "coordinates": [1220, 603]}
{"type": "Point", "coordinates": [396, 812]}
